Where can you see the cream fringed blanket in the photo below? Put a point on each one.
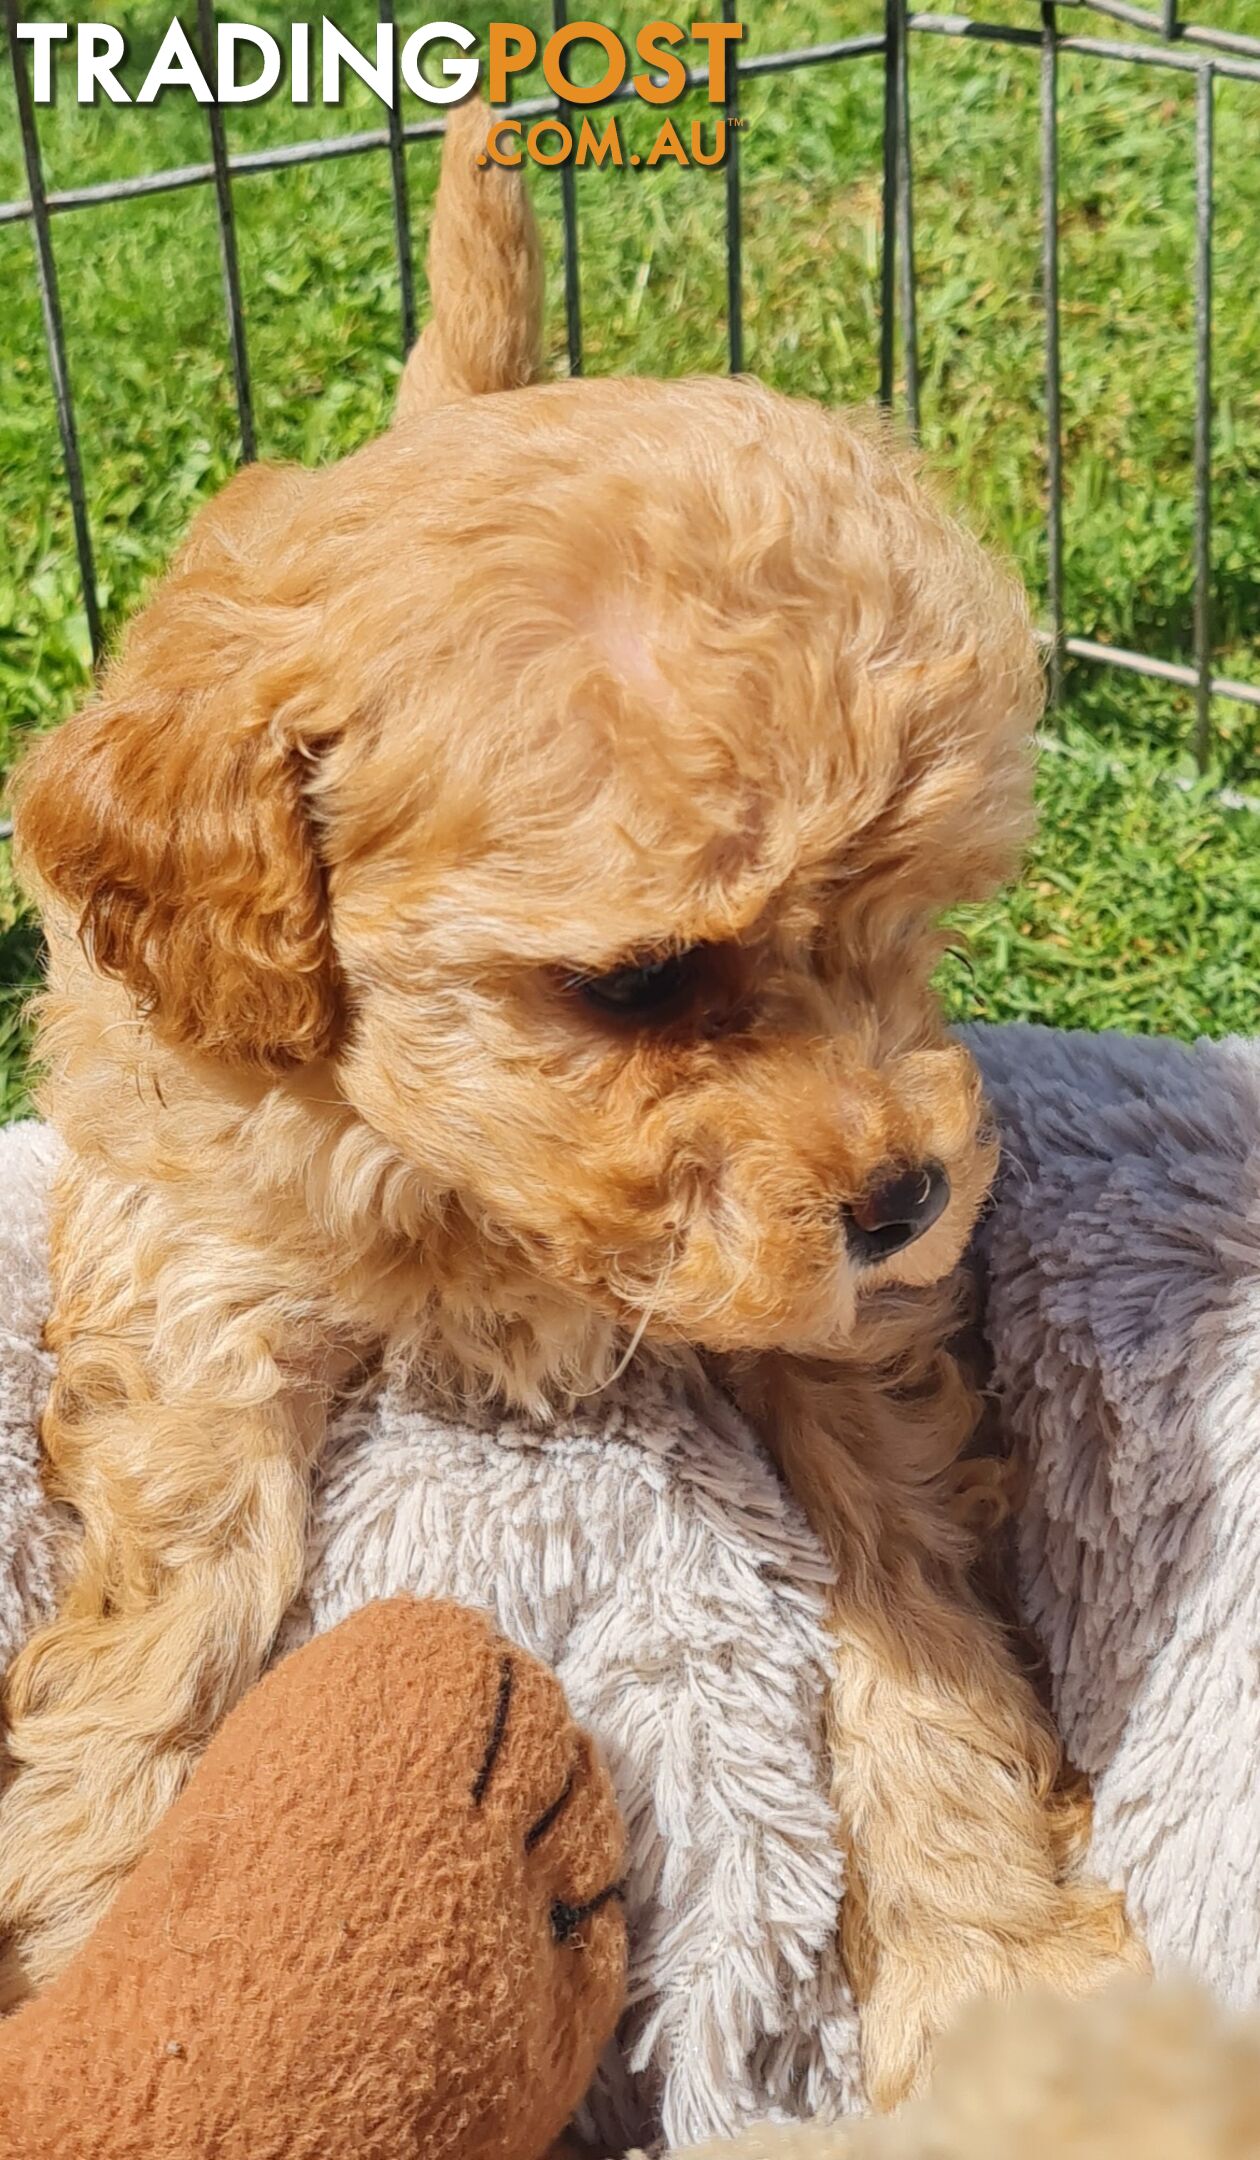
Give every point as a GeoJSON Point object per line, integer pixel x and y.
{"type": "Point", "coordinates": [648, 1553]}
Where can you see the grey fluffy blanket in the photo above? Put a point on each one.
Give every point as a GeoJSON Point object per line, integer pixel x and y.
{"type": "Point", "coordinates": [647, 1551]}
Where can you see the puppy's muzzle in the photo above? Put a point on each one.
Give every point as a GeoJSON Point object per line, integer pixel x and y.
{"type": "Point", "coordinates": [899, 1206]}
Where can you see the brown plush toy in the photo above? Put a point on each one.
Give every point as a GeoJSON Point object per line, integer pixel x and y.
{"type": "Point", "coordinates": [383, 1924]}
{"type": "Point", "coordinates": [382, 1921]}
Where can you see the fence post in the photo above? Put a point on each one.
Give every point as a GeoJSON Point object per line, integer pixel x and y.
{"type": "Point", "coordinates": [888, 235]}
{"type": "Point", "coordinates": [734, 225]}
{"type": "Point", "coordinates": [54, 335]}
{"type": "Point", "coordinates": [1204, 113]}
{"type": "Point", "coordinates": [905, 217]}
{"type": "Point", "coordinates": [398, 183]}
{"type": "Point", "coordinates": [568, 204]}
{"type": "Point", "coordinates": [227, 236]}
{"type": "Point", "coordinates": [897, 251]}
{"type": "Point", "coordinates": [1050, 303]}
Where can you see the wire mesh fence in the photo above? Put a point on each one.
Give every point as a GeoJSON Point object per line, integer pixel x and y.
{"type": "Point", "coordinates": [1139, 39]}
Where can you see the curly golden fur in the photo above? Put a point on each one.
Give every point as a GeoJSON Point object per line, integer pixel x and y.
{"type": "Point", "coordinates": [401, 760]}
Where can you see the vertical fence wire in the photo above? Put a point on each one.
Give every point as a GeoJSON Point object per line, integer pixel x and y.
{"type": "Point", "coordinates": [1050, 304]}
{"type": "Point", "coordinates": [568, 205]}
{"type": "Point", "coordinates": [54, 334]}
{"type": "Point", "coordinates": [888, 234]}
{"type": "Point", "coordinates": [905, 220]}
{"type": "Point", "coordinates": [227, 237]}
{"type": "Point", "coordinates": [1204, 115]}
{"type": "Point", "coordinates": [398, 186]}
{"type": "Point", "coordinates": [734, 219]}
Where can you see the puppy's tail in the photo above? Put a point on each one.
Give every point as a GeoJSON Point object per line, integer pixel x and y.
{"type": "Point", "coordinates": [485, 278]}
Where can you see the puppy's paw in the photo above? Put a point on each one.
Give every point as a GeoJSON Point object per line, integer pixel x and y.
{"type": "Point", "coordinates": [59, 1868]}
{"type": "Point", "coordinates": [74, 1818]}
{"type": "Point", "coordinates": [919, 1992]}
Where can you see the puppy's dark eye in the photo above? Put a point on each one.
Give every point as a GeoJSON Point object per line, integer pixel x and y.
{"type": "Point", "coordinates": [647, 992]}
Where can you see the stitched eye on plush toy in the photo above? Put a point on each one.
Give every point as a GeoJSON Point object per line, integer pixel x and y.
{"type": "Point", "coordinates": [653, 990]}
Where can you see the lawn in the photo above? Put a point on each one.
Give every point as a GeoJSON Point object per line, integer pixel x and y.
{"type": "Point", "coordinates": [1141, 903]}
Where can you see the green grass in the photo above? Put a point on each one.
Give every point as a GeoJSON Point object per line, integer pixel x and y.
{"type": "Point", "coordinates": [1141, 906]}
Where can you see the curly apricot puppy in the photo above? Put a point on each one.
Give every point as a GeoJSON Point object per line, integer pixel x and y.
{"type": "Point", "coordinates": [492, 909]}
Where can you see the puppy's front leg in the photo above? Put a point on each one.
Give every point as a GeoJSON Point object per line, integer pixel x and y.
{"type": "Point", "coordinates": [192, 1490]}
{"type": "Point", "coordinates": [963, 1855]}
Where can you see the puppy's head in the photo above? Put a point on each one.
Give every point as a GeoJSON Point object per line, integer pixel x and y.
{"type": "Point", "coordinates": [582, 774]}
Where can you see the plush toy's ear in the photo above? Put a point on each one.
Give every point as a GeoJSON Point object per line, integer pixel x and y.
{"type": "Point", "coordinates": [169, 813]}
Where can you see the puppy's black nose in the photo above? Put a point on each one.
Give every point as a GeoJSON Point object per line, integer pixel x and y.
{"type": "Point", "coordinates": [899, 1207]}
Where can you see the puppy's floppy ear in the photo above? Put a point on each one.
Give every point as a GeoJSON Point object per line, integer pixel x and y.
{"type": "Point", "coordinates": [169, 814]}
